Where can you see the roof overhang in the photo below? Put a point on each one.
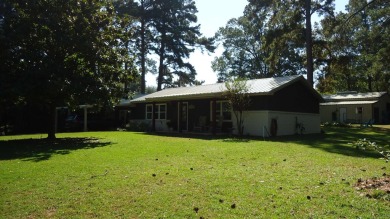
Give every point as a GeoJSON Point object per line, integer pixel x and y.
{"type": "Point", "coordinates": [349, 103]}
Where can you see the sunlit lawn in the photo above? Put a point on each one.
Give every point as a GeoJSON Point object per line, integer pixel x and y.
{"type": "Point", "coordinates": [136, 175]}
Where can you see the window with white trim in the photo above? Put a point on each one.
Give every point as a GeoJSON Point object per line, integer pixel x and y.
{"type": "Point", "coordinates": [149, 111]}
{"type": "Point", "coordinates": [160, 111]}
{"type": "Point", "coordinates": [222, 110]}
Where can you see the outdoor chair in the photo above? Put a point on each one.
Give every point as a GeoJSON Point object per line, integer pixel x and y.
{"type": "Point", "coordinates": [368, 123]}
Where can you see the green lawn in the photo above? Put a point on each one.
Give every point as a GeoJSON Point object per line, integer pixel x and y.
{"type": "Point", "coordinates": [136, 175]}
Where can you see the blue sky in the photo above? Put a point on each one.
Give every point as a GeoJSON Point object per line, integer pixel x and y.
{"type": "Point", "coordinates": [213, 14]}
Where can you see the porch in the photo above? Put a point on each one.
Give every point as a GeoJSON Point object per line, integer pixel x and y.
{"type": "Point", "coordinates": [197, 116]}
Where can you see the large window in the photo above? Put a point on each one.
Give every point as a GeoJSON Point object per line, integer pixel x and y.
{"type": "Point", "coordinates": [222, 110]}
{"type": "Point", "coordinates": [160, 111]}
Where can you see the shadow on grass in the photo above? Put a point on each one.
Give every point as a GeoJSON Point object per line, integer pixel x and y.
{"type": "Point", "coordinates": [192, 135]}
{"type": "Point", "coordinates": [339, 140]}
{"type": "Point", "coordinates": [43, 149]}
{"type": "Point", "coordinates": [228, 138]}
{"type": "Point", "coordinates": [335, 139]}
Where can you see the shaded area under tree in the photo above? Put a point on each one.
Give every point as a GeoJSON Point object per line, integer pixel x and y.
{"type": "Point", "coordinates": [43, 149]}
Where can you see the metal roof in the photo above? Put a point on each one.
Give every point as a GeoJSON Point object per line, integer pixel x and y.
{"type": "Point", "coordinates": [353, 96]}
{"type": "Point", "coordinates": [263, 86]}
{"type": "Point", "coordinates": [349, 103]}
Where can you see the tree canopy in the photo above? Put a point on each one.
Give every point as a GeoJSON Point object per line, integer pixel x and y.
{"type": "Point", "coordinates": [60, 52]}
{"type": "Point", "coordinates": [275, 36]}
{"type": "Point", "coordinates": [358, 48]}
{"type": "Point", "coordinates": [344, 51]}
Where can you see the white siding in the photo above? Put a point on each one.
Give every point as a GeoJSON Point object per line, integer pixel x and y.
{"type": "Point", "coordinates": [254, 122]}
{"type": "Point", "coordinates": [257, 123]}
{"type": "Point", "coordinates": [351, 115]}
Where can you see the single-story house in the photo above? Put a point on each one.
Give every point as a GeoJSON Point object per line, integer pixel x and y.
{"type": "Point", "coordinates": [354, 107]}
{"type": "Point", "coordinates": [279, 106]}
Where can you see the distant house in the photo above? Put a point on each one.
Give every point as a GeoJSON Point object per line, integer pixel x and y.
{"type": "Point", "coordinates": [279, 106]}
{"type": "Point", "coordinates": [353, 107]}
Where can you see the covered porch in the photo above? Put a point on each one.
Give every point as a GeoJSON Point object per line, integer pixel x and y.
{"type": "Point", "coordinates": [210, 116]}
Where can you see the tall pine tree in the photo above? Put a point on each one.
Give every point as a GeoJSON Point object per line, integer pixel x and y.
{"type": "Point", "coordinates": [176, 35]}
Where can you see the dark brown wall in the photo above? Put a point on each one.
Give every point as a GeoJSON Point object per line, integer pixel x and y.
{"type": "Point", "coordinates": [293, 98]}
{"type": "Point", "coordinates": [138, 111]}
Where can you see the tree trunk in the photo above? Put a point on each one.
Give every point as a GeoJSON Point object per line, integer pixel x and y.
{"type": "Point", "coordinates": [161, 65]}
{"type": "Point", "coordinates": [143, 50]}
{"type": "Point", "coordinates": [51, 132]}
{"type": "Point", "coordinates": [239, 121]}
{"type": "Point", "coordinates": [369, 82]}
{"type": "Point", "coordinates": [309, 43]}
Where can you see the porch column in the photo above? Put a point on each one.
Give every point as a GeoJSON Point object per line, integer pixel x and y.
{"type": "Point", "coordinates": [154, 117]}
{"type": "Point", "coordinates": [214, 114]}
{"type": "Point", "coordinates": [179, 116]}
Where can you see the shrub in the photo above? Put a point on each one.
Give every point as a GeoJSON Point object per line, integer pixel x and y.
{"type": "Point", "coordinates": [138, 126]}
{"type": "Point", "coordinates": [336, 124]}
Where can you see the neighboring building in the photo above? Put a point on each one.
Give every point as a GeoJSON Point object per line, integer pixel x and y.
{"type": "Point", "coordinates": [353, 107]}
{"type": "Point", "coordinates": [281, 106]}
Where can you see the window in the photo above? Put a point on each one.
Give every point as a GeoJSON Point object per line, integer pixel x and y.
{"type": "Point", "coordinates": [149, 111]}
{"type": "Point", "coordinates": [160, 112]}
{"type": "Point", "coordinates": [359, 110]}
{"type": "Point", "coordinates": [222, 110]}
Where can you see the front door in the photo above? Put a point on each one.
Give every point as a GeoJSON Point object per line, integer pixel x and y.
{"type": "Point", "coordinates": [183, 116]}
{"type": "Point", "coordinates": [343, 115]}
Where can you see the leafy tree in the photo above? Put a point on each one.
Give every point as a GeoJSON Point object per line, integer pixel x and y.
{"type": "Point", "coordinates": [335, 54]}
{"type": "Point", "coordinates": [125, 22]}
{"type": "Point", "coordinates": [243, 54]}
{"type": "Point", "coordinates": [357, 48]}
{"type": "Point", "coordinates": [289, 31]}
{"type": "Point", "coordinates": [371, 33]}
{"type": "Point", "coordinates": [239, 101]}
{"type": "Point", "coordinates": [62, 52]}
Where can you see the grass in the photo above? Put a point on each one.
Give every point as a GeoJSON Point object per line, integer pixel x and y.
{"type": "Point", "coordinates": [136, 175]}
